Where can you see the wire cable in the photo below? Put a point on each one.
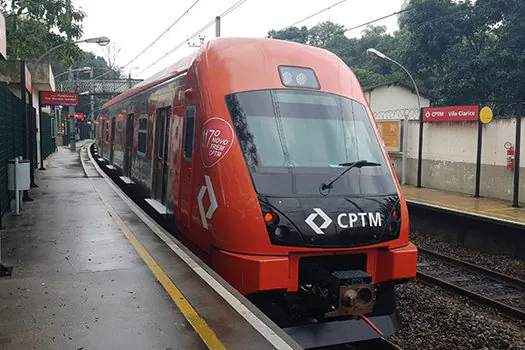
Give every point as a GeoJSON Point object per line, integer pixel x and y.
{"type": "Point", "coordinates": [315, 14]}
{"type": "Point", "coordinates": [182, 43]}
{"type": "Point", "coordinates": [379, 19]}
{"type": "Point", "coordinates": [158, 37]}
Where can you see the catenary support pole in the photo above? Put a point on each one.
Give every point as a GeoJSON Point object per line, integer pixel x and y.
{"type": "Point", "coordinates": [92, 102]}
{"type": "Point", "coordinates": [515, 200]}
{"type": "Point", "coordinates": [405, 151]}
{"type": "Point", "coordinates": [217, 26]}
{"type": "Point", "coordinates": [72, 128]}
{"type": "Point", "coordinates": [478, 158]}
{"type": "Point", "coordinates": [420, 149]}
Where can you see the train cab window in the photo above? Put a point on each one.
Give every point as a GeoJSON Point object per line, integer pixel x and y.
{"type": "Point", "coordinates": [143, 135]}
{"type": "Point", "coordinates": [305, 137]}
{"type": "Point", "coordinates": [189, 132]}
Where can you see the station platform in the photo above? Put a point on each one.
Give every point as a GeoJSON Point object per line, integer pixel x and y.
{"type": "Point", "coordinates": [485, 209]}
{"type": "Point", "coordinates": [92, 271]}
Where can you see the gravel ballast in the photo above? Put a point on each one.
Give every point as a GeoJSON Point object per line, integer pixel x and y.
{"type": "Point", "coordinates": [436, 319]}
{"type": "Point", "coordinates": [500, 263]}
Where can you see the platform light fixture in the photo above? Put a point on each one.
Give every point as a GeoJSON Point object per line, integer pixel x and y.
{"type": "Point", "coordinates": [379, 55]}
{"type": "Point", "coordinates": [100, 40]}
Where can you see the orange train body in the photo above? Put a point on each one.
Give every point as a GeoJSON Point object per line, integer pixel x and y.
{"type": "Point", "coordinates": [238, 144]}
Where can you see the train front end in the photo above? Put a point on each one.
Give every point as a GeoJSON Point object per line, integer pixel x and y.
{"type": "Point", "coordinates": [316, 228]}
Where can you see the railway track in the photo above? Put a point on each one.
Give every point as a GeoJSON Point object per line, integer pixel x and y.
{"type": "Point", "coordinates": [376, 344]}
{"type": "Point", "coordinates": [485, 287]}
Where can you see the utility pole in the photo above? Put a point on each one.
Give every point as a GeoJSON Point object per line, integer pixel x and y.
{"type": "Point", "coordinates": [217, 26]}
{"type": "Point", "coordinates": [72, 129]}
{"type": "Point", "coordinates": [91, 103]}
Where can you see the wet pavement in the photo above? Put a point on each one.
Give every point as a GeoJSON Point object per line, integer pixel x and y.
{"type": "Point", "coordinates": [78, 283]}
{"type": "Point", "coordinates": [490, 207]}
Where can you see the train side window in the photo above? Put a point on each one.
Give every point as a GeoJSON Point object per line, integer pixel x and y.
{"type": "Point", "coordinates": [119, 131]}
{"type": "Point", "coordinates": [143, 135]}
{"type": "Point", "coordinates": [189, 132]}
{"type": "Point", "coordinates": [107, 131]}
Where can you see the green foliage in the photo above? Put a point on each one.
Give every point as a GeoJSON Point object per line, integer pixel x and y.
{"type": "Point", "coordinates": [332, 37]}
{"type": "Point", "coordinates": [34, 26]}
{"type": "Point", "coordinates": [460, 52]}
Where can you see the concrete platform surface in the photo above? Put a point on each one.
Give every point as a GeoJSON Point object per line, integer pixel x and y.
{"type": "Point", "coordinates": [90, 274]}
{"type": "Point", "coordinates": [490, 208]}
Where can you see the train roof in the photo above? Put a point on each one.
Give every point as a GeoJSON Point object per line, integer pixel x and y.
{"type": "Point", "coordinates": [256, 46]}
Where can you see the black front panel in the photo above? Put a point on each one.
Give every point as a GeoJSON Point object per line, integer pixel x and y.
{"type": "Point", "coordinates": [302, 149]}
{"type": "Point", "coordinates": [334, 222]}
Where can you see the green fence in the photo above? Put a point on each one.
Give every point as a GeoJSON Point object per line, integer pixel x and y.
{"type": "Point", "coordinates": [12, 138]}
{"type": "Point", "coordinates": [48, 135]}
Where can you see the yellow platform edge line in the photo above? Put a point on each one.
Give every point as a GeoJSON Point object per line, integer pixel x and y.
{"type": "Point", "coordinates": [203, 330]}
{"type": "Point", "coordinates": [467, 210]}
{"type": "Point", "coordinates": [500, 209]}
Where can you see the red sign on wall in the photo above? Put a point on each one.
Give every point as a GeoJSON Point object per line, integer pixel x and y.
{"type": "Point", "coordinates": [217, 139]}
{"type": "Point", "coordinates": [451, 114]}
{"type": "Point", "coordinates": [78, 116]}
{"type": "Point", "coordinates": [56, 98]}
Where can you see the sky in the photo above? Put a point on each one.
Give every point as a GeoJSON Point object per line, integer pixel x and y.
{"type": "Point", "coordinates": [132, 25]}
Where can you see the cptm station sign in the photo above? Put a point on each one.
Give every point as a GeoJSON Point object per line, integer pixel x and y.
{"type": "Point", "coordinates": [451, 114]}
{"type": "Point", "coordinates": [56, 98]}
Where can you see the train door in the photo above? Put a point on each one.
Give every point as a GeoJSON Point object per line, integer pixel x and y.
{"type": "Point", "coordinates": [128, 151]}
{"type": "Point", "coordinates": [186, 174]}
{"type": "Point", "coordinates": [112, 141]}
{"type": "Point", "coordinates": [160, 167]}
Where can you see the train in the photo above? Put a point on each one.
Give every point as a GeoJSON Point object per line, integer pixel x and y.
{"type": "Point", "coordinates": [266, 157]}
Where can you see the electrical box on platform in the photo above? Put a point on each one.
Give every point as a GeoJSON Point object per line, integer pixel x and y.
{"type": "Point", "coordinates": [22, 176]}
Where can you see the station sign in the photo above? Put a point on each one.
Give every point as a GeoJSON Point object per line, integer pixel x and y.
{"type": "Point", "coordinates": [390, 131]}
{"type": "Point", "coordinates": [451, 114]}
{"type": "Point", "coordinates": [57, 98]}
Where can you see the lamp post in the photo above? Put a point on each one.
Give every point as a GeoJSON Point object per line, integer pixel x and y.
{"type": "Point", "coordinates": [83, 69]}
{"type": "Point", "coordinates": [378, 54]}
{"type": "Point", "coordinates": [101, 40]}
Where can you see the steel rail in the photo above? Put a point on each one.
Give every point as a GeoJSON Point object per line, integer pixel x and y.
{"type": "Point", "coordinates": [377, 344]}
{"type": "Point", "coordinates": [500, 277]}
{"type": "Point", "coordinates": [479, 299]}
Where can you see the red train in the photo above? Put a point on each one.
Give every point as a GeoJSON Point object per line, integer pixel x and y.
{"type": "Point", "coordinates": [266, 157]}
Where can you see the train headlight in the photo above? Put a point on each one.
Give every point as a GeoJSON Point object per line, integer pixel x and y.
{"type": "Point", "coordinates": [393, 223]}
{"type": "Point", "coordinates": [271, 218]}
{"type": "Point", "coordinates": [298, 77]}
{"type": "Point", "coordinates": [280, 229]}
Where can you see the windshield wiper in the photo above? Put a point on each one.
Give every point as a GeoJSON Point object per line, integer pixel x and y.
{"type": "Point", "coordinates": [351, 165]}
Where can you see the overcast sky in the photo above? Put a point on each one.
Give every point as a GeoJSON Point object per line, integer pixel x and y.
{"type": "Point", "coordinates": [132, 25]}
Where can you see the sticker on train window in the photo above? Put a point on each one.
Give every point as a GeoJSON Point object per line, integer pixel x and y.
{"type": "Point", "coordinates": [217, 140]}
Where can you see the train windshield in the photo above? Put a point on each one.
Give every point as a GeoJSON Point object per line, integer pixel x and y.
{"type": "Point", "coordinates": [294, 140]}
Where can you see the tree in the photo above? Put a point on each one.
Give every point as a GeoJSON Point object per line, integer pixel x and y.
{"type": "Point", "coordinates": [112, 52]}
{"type": "Point", "coordinates": [35, 26]}
{"type": "Point", "coordinates": [331, 37]}
{"type": "Point", "coordinates": [298, 35]}
{"type": "Point", "coordinates": [459, 52]}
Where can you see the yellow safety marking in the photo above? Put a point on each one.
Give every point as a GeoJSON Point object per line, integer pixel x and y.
{"type": "Point", "coordinates": [447, 205]}
{"type": "Point", "coordinates": [200, 326]}
{"type": "Point", "coordinates": [498, 209]}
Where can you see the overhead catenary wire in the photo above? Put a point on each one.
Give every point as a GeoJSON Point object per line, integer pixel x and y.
{"type": "Point", "coordinates": [379, 19]}
{"type": "Point", "coordinates": [315, 14]}
{"type": "Point", "coordinates": [182, 43]}
{"type": "Point", "coordinates": [157, 38]}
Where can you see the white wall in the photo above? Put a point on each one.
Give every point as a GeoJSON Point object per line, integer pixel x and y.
{"type": "Point", "coordinates": [394, 97]}
{"type": "Point", "coordinates": [457, 142]}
